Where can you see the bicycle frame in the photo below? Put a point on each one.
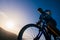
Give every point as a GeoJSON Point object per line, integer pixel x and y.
{"type": "Point", "coordinates": [43, 31]}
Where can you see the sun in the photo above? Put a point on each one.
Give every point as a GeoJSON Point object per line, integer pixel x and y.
{"type": "Point", "coordinates": [10, 24]}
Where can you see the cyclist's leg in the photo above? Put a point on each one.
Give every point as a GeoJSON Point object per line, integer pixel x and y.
{"type": "Point", "coordinates": [53, 29]}
{"type": "Point", "coordinates": [56, 30]}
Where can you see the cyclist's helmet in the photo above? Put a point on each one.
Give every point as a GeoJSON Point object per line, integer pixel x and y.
{"type": "Point", "coordinates": [40, 10]}
{"type": "Point", "coordinates": [48, 12]}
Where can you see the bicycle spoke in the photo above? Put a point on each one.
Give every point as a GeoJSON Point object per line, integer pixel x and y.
{"type": "Point", "coordinates": [30, 33]}
{"type": "Point", "coordinates": [33, 32]}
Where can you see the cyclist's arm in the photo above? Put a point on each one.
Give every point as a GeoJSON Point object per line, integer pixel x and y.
{"type": "Point", "coordinates": [42, 16]}
{"type": "Point", "coordinates": [40, 20]}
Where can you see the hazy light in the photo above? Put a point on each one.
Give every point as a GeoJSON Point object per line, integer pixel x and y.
{"type": "Point", "coordinates": [9, 24]}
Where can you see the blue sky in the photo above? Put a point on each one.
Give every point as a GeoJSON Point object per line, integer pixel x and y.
{"type": "Point", "coordinates": [25, 11]}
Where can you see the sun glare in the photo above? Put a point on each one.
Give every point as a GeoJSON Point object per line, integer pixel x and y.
{"type": "Point", "coordinates": [9, 24]}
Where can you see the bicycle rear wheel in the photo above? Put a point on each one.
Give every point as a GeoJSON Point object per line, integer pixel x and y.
{"type": "Point", "coordinates": [29, 32]}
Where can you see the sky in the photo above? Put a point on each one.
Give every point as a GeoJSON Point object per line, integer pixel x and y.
{"type": "Point", "coordinates": [24, 12]}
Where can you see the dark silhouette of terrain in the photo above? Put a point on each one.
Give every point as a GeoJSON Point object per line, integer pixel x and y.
{"type": "Point", "coordinates": [5, 35]}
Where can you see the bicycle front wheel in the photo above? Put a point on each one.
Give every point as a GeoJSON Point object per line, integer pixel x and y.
{"type": "Point", "coordinates": [29, 32]}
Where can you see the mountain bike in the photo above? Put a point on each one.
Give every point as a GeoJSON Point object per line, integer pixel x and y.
{"type": "Point", "coordinates": [37, 32]}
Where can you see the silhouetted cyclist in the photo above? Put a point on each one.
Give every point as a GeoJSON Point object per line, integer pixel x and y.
{"type": "Point", "coordinates": [46, 16]}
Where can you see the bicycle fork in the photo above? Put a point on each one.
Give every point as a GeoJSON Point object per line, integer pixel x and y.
{"type": "Point", "coordinates": [38, 36]}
